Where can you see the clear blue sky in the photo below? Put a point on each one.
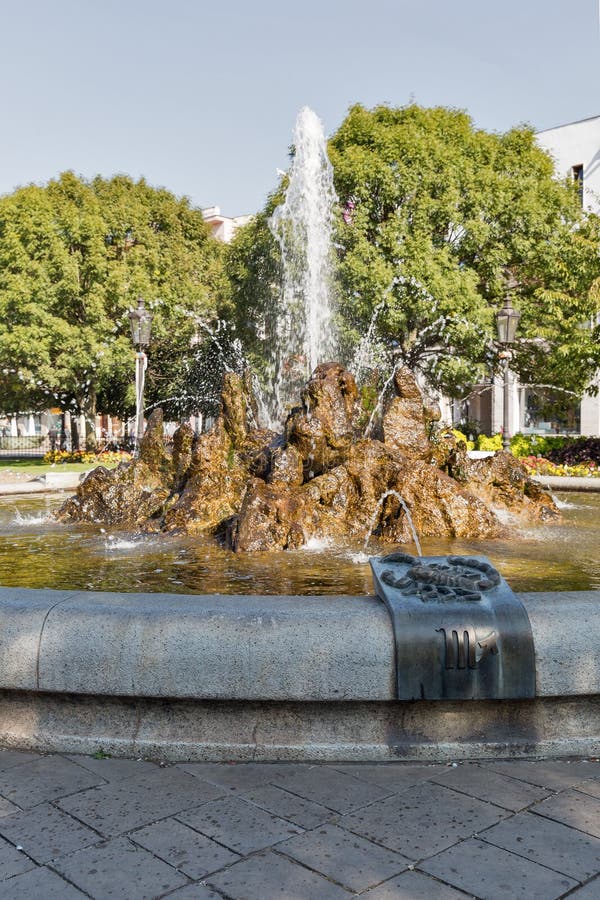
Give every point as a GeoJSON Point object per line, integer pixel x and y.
{"type": "Point", "coordinates": [201, 96]}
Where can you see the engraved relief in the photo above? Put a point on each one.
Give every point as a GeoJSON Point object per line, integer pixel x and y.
{"type": "Point", "coordinates": [460, 578]}
{"type": "Point", "coordinates": [463, 650]}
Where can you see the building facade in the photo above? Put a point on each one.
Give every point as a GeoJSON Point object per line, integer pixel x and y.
{"type": "Point", "coordinates": [575, 149]}
{"type": "Point", "coordinates": [223, 227]}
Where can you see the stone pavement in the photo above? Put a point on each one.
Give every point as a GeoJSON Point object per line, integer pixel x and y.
{"type": "Point", "coordinates": [76, 826]}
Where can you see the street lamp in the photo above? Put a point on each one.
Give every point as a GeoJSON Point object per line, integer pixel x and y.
{"type": "Point", "coordinates": [507, 320]}
{"type": "Point", "coordinates": [141, 325]}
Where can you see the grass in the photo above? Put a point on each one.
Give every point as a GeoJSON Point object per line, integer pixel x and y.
{"type": "Point", "coordinates": [35, 467]}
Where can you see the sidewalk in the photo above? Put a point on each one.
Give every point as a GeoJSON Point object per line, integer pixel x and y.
{"type": "Point", "coordinates": [74, 827]}
{"type": "Point", "coordinates": [51, 482]}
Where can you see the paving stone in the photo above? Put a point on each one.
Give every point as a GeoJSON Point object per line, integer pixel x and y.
{"type": "Point", "coordinates": [280, 802]}
{"type": "Point", "coordinates": [11, 758]}
{"type": "Point", "coordinates": [487, 871]}
{"type": "Point", "coordinates": [491, 786]}
{"type": "Point", "coordinates": [12, 861]}
{"type": "Point", "coordinates": [423, 820]}
{"type": "Point", "coordinates": [192, 853]}
{"type": "Point", "coordinates": [590, 891]}
{"type": "Point", "coordinates": [43, 779]}
{"type": "Point", "coordinates": [239, 825]}
{"type": "Point", "coordinates": [413, 886]}
{"type": "Point", "coordinates": [123, 805]}
{"type": "Point", "coordinates": [7, 808]}
{"type": "Point", "coordinates": [573, 808]}
{"type": "Point", "coordinates": [40, 884]}
{"type": "Point", "coordinates": [120, 871]}
{"type": "Point", "coordinates": [113, 769]}
{"type": "Point", "coordinates": [350, 860]}
{"type": "Point", "coordinates": [268, 875]}
{"type": "Point", "coordinates": [556, 774]}
{"type": "Point", "coordinates": [241, 776]}
{"type": "Point", "coordinates": [45, 832]}
{"type": "Point", "coordinates": [591, 787]}
{"type": "Point", "coordinates": [336, 790]}
{"type": "Point", "coordinates": [195, 892]}
{"type": "Point", "coordinates": [393, 776]}
{"type": "Point", "coordinates": [549, 843]}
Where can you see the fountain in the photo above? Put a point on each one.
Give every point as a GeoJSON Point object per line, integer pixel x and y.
{"type": "Point", "coordinates": [302, 226]}
{"type": "Point", "coordinates": [261, 678]}
{"type": "Point", "coordinates": [336, 471]}
{"type": "Point", "coordinates": [320, 479]}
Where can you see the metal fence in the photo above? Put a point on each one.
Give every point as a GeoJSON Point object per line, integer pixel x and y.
{"type": "Point", "coordinates": [34, 445]}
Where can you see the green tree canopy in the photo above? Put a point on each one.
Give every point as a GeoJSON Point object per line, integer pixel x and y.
{"type": "Point", "coordinates": [74, 256]}
{"type": "Point", "coordinates": [436, 221]}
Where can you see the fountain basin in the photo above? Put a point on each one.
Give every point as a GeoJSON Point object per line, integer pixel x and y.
{"type": "Point", "coordinates": [247, 677]}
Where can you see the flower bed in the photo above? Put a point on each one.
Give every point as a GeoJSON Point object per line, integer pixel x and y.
{"type": "Point", "coordinates": [537, 465]}
{"type": "Point", "coordinates": [106, 457]}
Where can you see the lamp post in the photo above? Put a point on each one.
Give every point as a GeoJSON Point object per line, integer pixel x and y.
{"type": "Point", "coordinates": [141, 325]}
{"type": "Point", "coordinates": [507, 320]}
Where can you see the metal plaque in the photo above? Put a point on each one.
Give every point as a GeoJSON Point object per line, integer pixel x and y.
{"type": "Point", "coordinates": [460, 632]}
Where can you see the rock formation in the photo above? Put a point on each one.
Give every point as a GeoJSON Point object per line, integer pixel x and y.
{"type": "Point", "coordinates": [322, 478]}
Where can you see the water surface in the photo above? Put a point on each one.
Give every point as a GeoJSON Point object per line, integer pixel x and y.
{"type": "Point", "coordinates": [36, 552]}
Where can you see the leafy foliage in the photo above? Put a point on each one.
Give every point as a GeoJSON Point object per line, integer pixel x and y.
{"type": "Point", "coordinates": [437, 220]}
{"type": "Point", "coordinates": [442, 216]}
{"type": "Point", "coordinates": [74, 256]}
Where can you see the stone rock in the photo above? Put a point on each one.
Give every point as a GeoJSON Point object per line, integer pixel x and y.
{"type": "Point", "coordinates": [214, 488]}
{"type": "Point", "coordinates": [450, 455]}
{"type": "Point", "coordinates": [238, 408]}
{"type": "Point", "coordinates": [128, 496]}
{"type": "Point", "coordinates": [406, 385]}
{"type": "Point", "coordinates": [321, 478]}
{"type": "Point", "coordinates": [183, 441]}
{"type": "Point", "coordinates": [152, 447]}
{"type": "Point", "coordinates": [270, 518]}
{"type": "Point", "coordinates": [502, 481]}
{"type": "Point", "coordinates": [404, 418]}
{"type": "Point", "coordinates": [324, 428]}
{"type": "Point", "coordinates": [286, 466]}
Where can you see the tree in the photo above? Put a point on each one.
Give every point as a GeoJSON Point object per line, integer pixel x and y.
{"type": "Point", "coordinates": [74, 256]}
{"type": "Point", "coordinates": [444, 220]}
{"type": "Point", "coordinates": [436, 221]}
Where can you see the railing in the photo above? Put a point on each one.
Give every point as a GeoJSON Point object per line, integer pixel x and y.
{"type": "Point", "coordinates": [36, 445]}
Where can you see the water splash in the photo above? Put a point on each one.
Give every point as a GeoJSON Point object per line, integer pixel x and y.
{"type": "Point", "coordinates": [112, 543]}
{"type": "Point", "coordinates": [375, 518]}
{"type": "Point", "coordinates": [22, 520]}
{"type": "Point", "coordinates": [562, 504]}
{"type": "Point", "coordinates": [378, 408]}
{"type": "Point", "coordinates": [302, 226]}
{"type": "Point", "coordinates": [317, 544]}
{"type": "Point", "coordinates": [364, 351]}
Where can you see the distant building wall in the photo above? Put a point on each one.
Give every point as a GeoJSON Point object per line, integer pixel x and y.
{"type": "Point", "coordinates": [577, 145]}
{"type": "Point", "coordinates": [575, 149]}
{"type": "Point", "coordinates": [223, 227]}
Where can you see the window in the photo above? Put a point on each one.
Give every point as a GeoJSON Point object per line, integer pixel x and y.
{"type": "Point", "coordinates": [577, 172]}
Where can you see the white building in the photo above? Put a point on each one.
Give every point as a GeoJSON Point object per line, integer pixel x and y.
{"type": "Point", "coordinates": [223, 227]}
{"type": "Point", "coordinates": [575, 149]}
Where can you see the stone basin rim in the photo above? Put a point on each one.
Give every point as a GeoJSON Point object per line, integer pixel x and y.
{"type": "Point", "coordinates": [238, 677]}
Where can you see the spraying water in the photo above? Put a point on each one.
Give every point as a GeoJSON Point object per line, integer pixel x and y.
{"type": "Point", "coordinates": [302, 226]}
{"type": "Point", "coordinates": [377, 512]}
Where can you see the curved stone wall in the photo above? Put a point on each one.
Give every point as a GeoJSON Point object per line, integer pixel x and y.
{"type": "Point", "coordinates": [247, 677]}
